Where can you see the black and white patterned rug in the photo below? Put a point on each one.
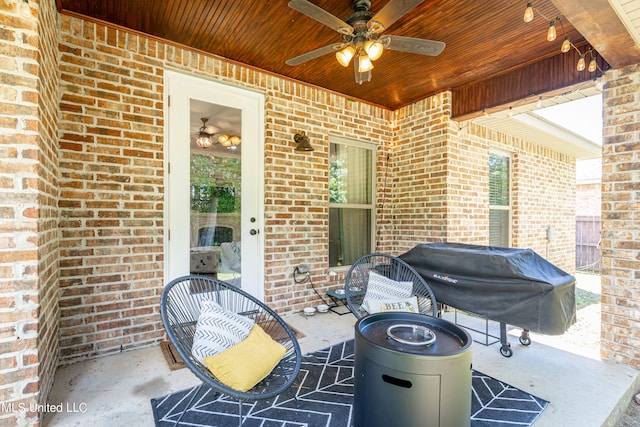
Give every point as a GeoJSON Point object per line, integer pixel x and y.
{"type": "Point", "coordinates": [324, 395]}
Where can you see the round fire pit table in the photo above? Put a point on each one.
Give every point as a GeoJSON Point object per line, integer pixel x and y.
{"type": "Point", "coordinates": [411, 370]}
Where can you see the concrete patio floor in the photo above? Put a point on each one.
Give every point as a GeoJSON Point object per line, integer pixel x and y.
{"type": "Point", "coordinates": [583, 391]}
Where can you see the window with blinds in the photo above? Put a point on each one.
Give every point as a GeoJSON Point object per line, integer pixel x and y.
{"type": "Point", "coordinates": [499, 200]}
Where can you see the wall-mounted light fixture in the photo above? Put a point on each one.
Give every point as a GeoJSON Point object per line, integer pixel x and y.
{"type": "Point", "coordinates": [303, 142]}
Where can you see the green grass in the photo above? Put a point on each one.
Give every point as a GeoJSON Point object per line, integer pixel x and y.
{"type": "Point", "coordinates": [585, 298]}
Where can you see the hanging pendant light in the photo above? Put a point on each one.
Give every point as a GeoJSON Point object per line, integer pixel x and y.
{"type": "Point", "coordinates": [581, 63]}
{"type": "Point", "coordinates": [528, 13]}
{"type": "Point", "coordinates": [551, 32]}
{"type": "Point", "coordinates": [204, 138]}
{"type": "Point", "coordinates": [566, 43]}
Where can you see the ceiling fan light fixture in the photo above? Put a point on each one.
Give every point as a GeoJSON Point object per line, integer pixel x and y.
{"type": "Point", "coordinates": [344, 56]}
{"type": "Point", "coordinates": [204, 140]}
{"type": "Point", "coordinates": [361, 33]}
{"type": "Point", "coordinates": [224, 140]}
{"type": "Point", "coordinates": [374, 49]}
{"type": "Point", "coordinates": [528, 13]}
{"type": "Point", "coordinates": [364, 63]}
{"type": "Point", "coordinates": [362, 77]}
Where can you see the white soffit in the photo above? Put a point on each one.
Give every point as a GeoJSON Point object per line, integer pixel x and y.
{"type": "Point", "coordinates": [561, 139]}
{"type": "Point", "coordinates": [526, 125]}
{"type": "Point", "coordinates": [539, 131]}
{"type": "Point", "coordinates": [629, 13]}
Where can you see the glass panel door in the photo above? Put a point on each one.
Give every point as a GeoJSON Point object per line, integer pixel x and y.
{"type": "Point", "coordinates": [215, 181]}
{"type": "Point", "coordinates": [215, 190]}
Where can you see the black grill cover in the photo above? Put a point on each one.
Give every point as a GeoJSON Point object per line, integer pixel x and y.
{"type": "Point", "coordinates": [508, 285]}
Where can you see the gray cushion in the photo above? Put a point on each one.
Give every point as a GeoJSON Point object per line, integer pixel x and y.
{"type": "Point", "coordinates": [382, 288]}
{"type": "Point", "coordinates": [218, 329]}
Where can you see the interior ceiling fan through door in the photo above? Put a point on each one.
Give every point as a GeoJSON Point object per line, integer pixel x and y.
{"type": "Point", "coordinates": [361, 35]}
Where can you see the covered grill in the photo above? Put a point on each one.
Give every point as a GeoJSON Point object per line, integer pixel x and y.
{"type": "Point", "coordinates": [507, 285]}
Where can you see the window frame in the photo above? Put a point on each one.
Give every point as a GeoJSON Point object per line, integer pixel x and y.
{"type": "Point", "coordinates": [509, 207]}
{"type": "Point", "coordinates": [374, 186]}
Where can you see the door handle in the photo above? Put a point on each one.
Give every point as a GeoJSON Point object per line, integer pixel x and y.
{"type": "Point", "coordinates": [253, 231]}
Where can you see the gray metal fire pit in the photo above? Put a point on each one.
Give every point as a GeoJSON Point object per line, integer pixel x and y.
{"type": "Point", "coordinates": [411, 370]}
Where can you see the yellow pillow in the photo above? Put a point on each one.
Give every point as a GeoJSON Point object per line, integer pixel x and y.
{"type": "Point", "coordinates": [245, 364]}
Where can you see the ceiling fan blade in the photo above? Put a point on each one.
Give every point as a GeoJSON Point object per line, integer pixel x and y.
{"type": "Point", "coordinates": [413, 45]}
{"type": "Point", "coordinates": [321, 15]}
{"type": "Point", "coordinates": [393, 11]}
{"type": "Point", "coordinates": [314, 54]}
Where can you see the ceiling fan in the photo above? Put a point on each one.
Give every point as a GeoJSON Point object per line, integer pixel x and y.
{"type": "Point", "coordinates": [206, 134]}
{"type": "Point", "coordinates": [361, 35]}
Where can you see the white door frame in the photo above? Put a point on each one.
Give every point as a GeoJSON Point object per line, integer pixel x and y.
{"type": "Point", "coordinates": [179, 89]}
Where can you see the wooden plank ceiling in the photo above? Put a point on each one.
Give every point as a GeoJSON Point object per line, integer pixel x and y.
{"type": "Point", "coordinates": [489, 48]}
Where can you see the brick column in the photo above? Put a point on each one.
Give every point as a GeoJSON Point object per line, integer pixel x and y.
{"type": "Point", "coordinates": [621, 217]}
{"type": "Point", "coordinates": [28, 209]}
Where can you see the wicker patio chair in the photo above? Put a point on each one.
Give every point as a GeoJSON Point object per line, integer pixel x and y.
{"type": "Point", "coordinates": [393, 268]}
{"type": "Point", "coordinates": [180, 307]}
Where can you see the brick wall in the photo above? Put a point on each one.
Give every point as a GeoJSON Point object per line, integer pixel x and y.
{"type": "Point", "coordinates": [111, 181]}
{"type": "Point", "coordinates": [28, 209]}
{"type": "Point", "coordinates": [297, 185]}
{"type": "Point", "coordinates": [441, 184]}
{"type": "Point", "coordinates": [419, 174]}
{"type": "Point", "coordinates": [468, 184]}
{"type": "Point", "coordinates": [104, 186]}
{"type": "Point", "coordinates": [48, 233]}
{"type": "Point", "coordinates": [111, 162]}
{"type": "Point", "coordinates": [111, 189]}
{"type": "Point", "coordinates": [620, 335]}
{"type": "Point", "coordinates": [543, 196]}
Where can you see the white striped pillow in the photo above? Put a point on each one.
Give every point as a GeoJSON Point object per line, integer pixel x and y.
{"type": "Point", "coordinates": [218, 329]}
{"type": "Point", "coordinates": [383, 288]}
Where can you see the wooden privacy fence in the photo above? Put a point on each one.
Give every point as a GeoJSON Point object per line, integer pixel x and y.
{"type": "Point", "coordinates": [588, 243]}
